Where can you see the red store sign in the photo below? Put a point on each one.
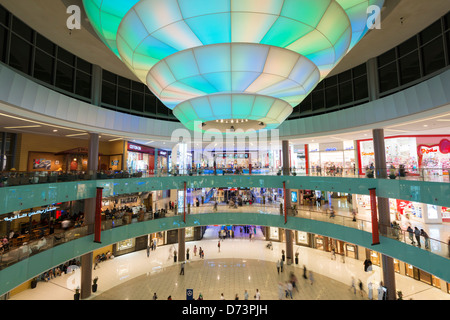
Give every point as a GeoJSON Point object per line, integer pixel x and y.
{"type": "Point", "coordinates": [139, 148]}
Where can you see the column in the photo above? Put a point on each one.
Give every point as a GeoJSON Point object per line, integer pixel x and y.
{"type": "Point", "coordinates": [181, 244]}
{"type": "Point", "coordinates": [96, 85]}
{"type": "Point", "coordinates": [287, 201]}
{"type": "Point", "coordinates": [372, 79]}
{"type": "Point", "coordinates": [387, 263]}
{"type": "Point", "coordinates": [89, 215]}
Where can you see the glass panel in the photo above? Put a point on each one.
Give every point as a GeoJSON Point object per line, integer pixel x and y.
{"type": "Point", "coordinates": [3, 41]}
{"type": "Point", "coordinates": [388, 77]}
{"type": "Point", "coordinates": [331, 96]}
{"type": "Point", "coordinates": [20, 54]}
{"type": "Point", "coordinates": [448, 45]}
{"type": "Point", "coordinates": [22, 29]}
{"type": "Point", "coordinates": [45, 44]}
{"type": "Point", "coordinates": [318, 101]}
{"type": "Point", "coordinates": [345, 92]}
{"type": "Point", "coordinates": [433, 56]}
{"type": "Point", "coordinates": [123, 97]}
{"type": "Point", "coordinates": [409, 67]}
{"type": "Point", "coordinates": [386, 57]}
{"type": "Point", "coordinates": [345, 76]}
{"type": "Point", "coordinates": [83, 84]}
{"type": "Point", "coordinates": [4, 16]}
{"type": "Point", "coordinates": [66, 56]}
{"type": "Point", "coordinates": [360, 88]}
{"type": "Point", "coordinates": [84, 65]}
{"type": "Point", "coordinates": [431, 32]}
{"type": "Point", "coordinates": [305, 105]}
{"type": "Point", "coordinates": [150, 104]}
{"type": "Point", "coordinates": [43, 66]}
{"type": "Point", "coordinates": [109, 76]}
{"type": "Point", "coordinates": [360, 70]}
{"type": "Point", "coordinates": [124, 82]}
{"type": "Point", "coordinates": [331, 81]}
{"type": "Point", "coordinates": [137, 86]}
{"type": "Point", "coordinates": [161, 108]}
{"type": "Point", "coordinates": [137, 101]}
{"type": "Point", "coordinates": [407, 46]}
{"type": "Point", "coordinates": [447, 21]}
{"type": "Point", "coordinates": [64, 76]}
{"type": "Point", "coordinates": [108, 92]}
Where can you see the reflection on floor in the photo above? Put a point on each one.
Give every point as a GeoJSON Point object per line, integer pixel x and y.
{"type": "Point", "coordinates": [241, 264]}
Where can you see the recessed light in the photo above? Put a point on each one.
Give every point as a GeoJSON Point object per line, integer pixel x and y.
{"type": "Point", "coordinates": [425, 125]}
{"type": "Point", "coordinates": [54, 130]}
{"type": "Point", "coordinates": [76, 134]}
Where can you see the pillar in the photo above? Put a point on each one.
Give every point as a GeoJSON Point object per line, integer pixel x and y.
{"type": "Point", "coordinates": [89, 216]}
{"type": "Point", "coordinates": [287, 200]}
{"type": "Point", "coordinates": [181, 244]}
{"type": "Point", "coordinates": [96, 85]}
{"type": "Point", "coordinates": [387, 263]}
{"type": "Point", "coordinates": [372, 79]}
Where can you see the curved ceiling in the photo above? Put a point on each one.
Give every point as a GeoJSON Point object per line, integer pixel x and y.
{"type": "Point", "coordinates": [48, 17]}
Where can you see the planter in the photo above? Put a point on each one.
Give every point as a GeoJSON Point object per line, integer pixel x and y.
{"type": "Point", "coordinates": [187, 256]}
{"type": "Point", "coordinates": [174, 258]}
{"type": "Point", "coordinates": [283, 257]}
{"type": "Point", "coordinates": [94, 288]}
{"type": "Point", "coordinates": [33, 283]}
{"type": "Point", "coordinates": [296, 260]}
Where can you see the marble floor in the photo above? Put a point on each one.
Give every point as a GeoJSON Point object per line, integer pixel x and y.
{"type": "Point", "coordinates": [240, 265]}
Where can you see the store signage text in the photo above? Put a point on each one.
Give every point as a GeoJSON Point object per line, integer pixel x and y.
{"type": "Point", "coordinates": [426, 150]}
{"type": "Point", "coordinates": [331, 149]}
{"type": "Point", "coordinates": [134, 147]}
{"type": "Point", "coordinates": [367, 153]}
{"type": "Point", "coordinates": [29, 214]}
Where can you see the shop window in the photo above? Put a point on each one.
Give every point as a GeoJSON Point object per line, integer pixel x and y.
{"type": "Point", "coordinates": [64, 76]}
{"type": "Point", "coordinates": [43, 67]}
{"type": "Point", "coordinates": [318, 101]}
{"type": "Point", "coordinates": [388, 77]}
{"type": "Point", "coordinates": [431, 32]}
{"type": "Point", "coordinates": [425, 276]}
{"type": "Point", "coordinates": [109, 93]}
{"type": "Point", "coordinates": [83, 84]}
{"type": "Point", "coordinates": [345, 92]}
{"type": "Point", "coordinates": [360, 88]}
{"type": "Point", "coordinates": [45, 45]}
{"type": "Point", "coordinates": [435, 282]}
{"type": "Point", "coordinates": [66, 56]}
{"type": "Point", "coordinates": [396, 265]}
{"type": "Point", "coordinates": [20, 54]}
{"type": "Point", "coordinates": [22, 29]}
{"type": "Point", "coordinates": [3, 41]}
{"type": "Point", "coordinates": [123, 97]}
{"type": "Point", "coordinates": [375, 258]}
{"type": "Point", "coordinates": [409, 67]}
{"type": "Point", "coordinates": [433, 56]}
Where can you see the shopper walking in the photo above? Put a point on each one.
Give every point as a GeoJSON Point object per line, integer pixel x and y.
{"type": "Point", "coordinates": [353, 285]}
{"type": "Point", "coordinates": [245, 295]}
{"type": "Point", "coordinates": [311, 277]}
{"type": "Point", "coordinates": [182, 268]}
{"type": "Point", "coordinates": [218, 245]}
{"type": "Point", "coordinates": [148, 251]}
{"type": "Point", "coordinates": [278, 266]}
{"type": "Point", "coordinates": [195, 250]}
{"type": "Point", "coordinates": [281, 265]}
{"type": "Point", "coordinates": [257, 295]}
{"type": "Point", "coordinates": [304, 273]}
{"type": "Point", "coordinates": [155, 296]}
{"type": "Point", "coordinates": [370, 290]}
{"type": "Point", "coordinates": [288, 289]}
{"type": "Point", "coordinates": [360, 284]}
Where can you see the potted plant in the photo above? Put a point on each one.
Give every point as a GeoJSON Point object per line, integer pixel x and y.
{"type": "Point", "coordinates": [175, 256]}
{"type": "Point", "coordinates": [282, 255]}
{"type": "Point", "coordinates": [94, 284]}
{"type": "Point", "coordinates": [190, 172]}
{"type": "Point", "coordinates": [76, 296]}
{"type": "Point", "coordinates": [279, 172]}
{"type": "Point", "coordinates": [296, 257]}
{"type": "Point", "coordinates": [281, 209]}
{"type": "Point", "coordinates": [293, 172]}
{"type": "Point", "coordinates": [400, 295]}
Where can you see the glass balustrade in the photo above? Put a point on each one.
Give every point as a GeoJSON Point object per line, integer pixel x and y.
{"type": "Point", "coordinates": [13, 254]}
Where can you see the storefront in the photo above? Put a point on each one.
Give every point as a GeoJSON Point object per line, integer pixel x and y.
{"type": "Point", "coordinates": [429, 153]}
{"type": "Point", "coordinates": [325, 158]}
{"type": "Point", "coordinates": [162, 161]}
{"type": "Point", "coordinates": [303, 238]}
{"type": "Point", "coordinates": [140, 158]}
{"type": "Point", "coordinates": [231, 160]}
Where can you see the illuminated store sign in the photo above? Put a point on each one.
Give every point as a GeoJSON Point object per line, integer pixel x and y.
{"type": "Point", "coordinates": [29, 214]}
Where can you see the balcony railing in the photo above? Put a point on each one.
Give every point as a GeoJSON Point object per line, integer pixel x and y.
{"type": "Point", "coordinates": [12, 254]}
{"type": "Point", "coordinates": [15, 178]}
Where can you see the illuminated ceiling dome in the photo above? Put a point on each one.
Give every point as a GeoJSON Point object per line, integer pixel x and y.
{"type": "Point", "coordinates": [230, 59]}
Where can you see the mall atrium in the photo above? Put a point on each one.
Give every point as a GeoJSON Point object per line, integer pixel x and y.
{"type": "Point", "coordinates": [272, 149]}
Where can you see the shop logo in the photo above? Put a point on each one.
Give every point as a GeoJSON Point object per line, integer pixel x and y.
{"type": "Point", "coordinates": [374, 18]}
{"type": "Point", "coordinates": [427, 150]}
{"type": "Point", "coordinates": [367, 153]}
{"type": "Point", "coordinates": [134, 147]}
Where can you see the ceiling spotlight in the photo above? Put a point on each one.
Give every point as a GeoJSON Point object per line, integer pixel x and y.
{"type": "Point", "coordinates": [246, 120]}
{"type": "Point", "coordinates": [217, 120]}
{"type": "Point", "coordinates": [221, 120]}
{"type": "Point", "coordinates": [231, 120]}
{"type": "Point", "coordinates": [54, 130]}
